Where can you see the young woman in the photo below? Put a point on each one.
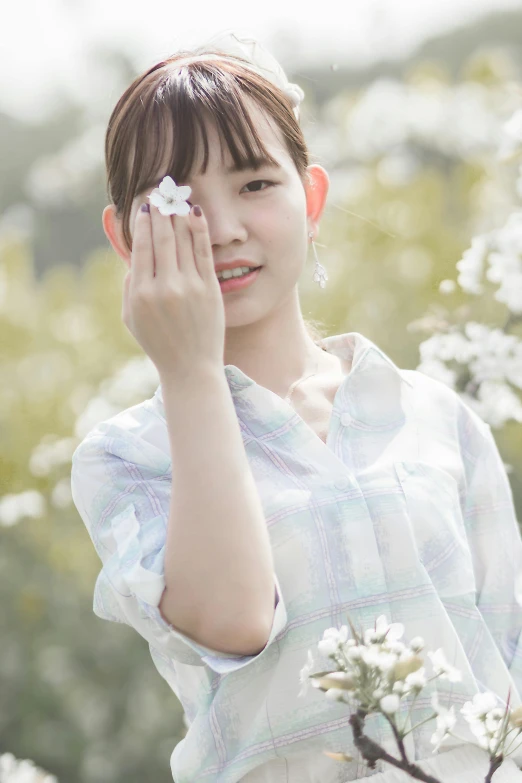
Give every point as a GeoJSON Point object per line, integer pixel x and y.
{"type": "Point", "coordinates": [277, 482]}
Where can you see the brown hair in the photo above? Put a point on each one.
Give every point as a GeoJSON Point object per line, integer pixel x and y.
{"type": "Point", "coordinates": [180, 91]}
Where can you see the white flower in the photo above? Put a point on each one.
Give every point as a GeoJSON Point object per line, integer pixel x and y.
{"type": "Point", "coordinates": [339, 634]}
{"type": "Point", "coordinates": [446, 720]}
{"type": "Point", "coordinates": [390, 703]}
{"type": "Point", "coordinates": [303, 675]}
{"type": "Point", "coordinates": [447, 286]}
{"type": "Point", "coordinates": [334, 694]}
{"type": "Point", "coordinates": [480, 706]}
{"type": "Point", "coordinates": [332, 639]}
{"type": "Point", "coordinates": [392, 631]}
{"type": "Point", "coordinates": [354, 653]}
{"type": "Point", "coordinates": [513, 128]}
{"type": "Point", "coordinates": [417, 644]}
{"type": "Point", "coordinates": [169, 198]}
{"type": "Point", "coordinates": [416, 680]}
{"type": "Point", "coordinates": [442, 667]}
{"type": "Point", "coordinates": [494, 720]}
{"type": "Point", "coordinates": [397, 647]}
{"type": "Point", "coordinates": [386, 661]}
{"type": "Point", "coordinates": [327, 646]}
{"type": "Point", "coordinates": [374, 657]}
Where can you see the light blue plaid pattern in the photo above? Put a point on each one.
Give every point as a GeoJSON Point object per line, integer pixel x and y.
{"type": "Point", "coordinates": [406, 511]}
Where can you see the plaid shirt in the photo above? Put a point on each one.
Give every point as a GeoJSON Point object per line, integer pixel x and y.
{"type": "Point", "coordinates": [406, 511]}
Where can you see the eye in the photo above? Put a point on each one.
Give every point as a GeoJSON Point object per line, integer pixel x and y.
{"type": "Point", "coordinates": [254, 182]}
{"type": "Point", "coordinates": [258, 182]}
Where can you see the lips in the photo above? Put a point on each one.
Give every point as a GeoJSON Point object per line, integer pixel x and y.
{"type": "Point", "coordinates": [234, 264]}
{"type": "Point", "coordinates": [252, 269]}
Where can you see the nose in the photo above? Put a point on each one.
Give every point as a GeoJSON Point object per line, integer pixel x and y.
{"type": "Point", "coordinates": [225, 224]}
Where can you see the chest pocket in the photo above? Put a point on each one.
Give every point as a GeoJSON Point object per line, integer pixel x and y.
{"type": "Point", "coordinates": [433, 505]}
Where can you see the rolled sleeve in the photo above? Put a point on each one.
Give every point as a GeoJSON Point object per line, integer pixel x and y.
{"type": "Point", "coordinates": [496, 545]}
{"type": "Point", "coordinates": [125, 508]}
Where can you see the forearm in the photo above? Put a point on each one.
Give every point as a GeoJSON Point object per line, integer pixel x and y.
{"type": "Point", "coordinates": [218, 558]}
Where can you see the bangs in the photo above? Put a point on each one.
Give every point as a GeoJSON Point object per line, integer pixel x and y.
{"type": "Point", "coordinates": [168, 110]}
{"type": "Point", "coordinates": [189, 99]}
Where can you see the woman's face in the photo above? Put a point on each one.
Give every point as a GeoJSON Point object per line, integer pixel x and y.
{"type": "Point", "coordinates": [260, 216]}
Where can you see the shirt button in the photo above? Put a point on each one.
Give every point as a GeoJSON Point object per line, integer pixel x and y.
{"type": "Point", "coordinates": [343, 482]}
{"type": "Point", "coordinates": [346, 419]}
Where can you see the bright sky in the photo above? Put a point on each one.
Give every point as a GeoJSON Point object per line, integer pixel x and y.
{"type": "Point", "coordinates": [45, 44]}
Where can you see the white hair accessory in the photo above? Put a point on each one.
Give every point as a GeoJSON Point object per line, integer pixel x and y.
{"type": "Point", "coordinates": [229, 42]}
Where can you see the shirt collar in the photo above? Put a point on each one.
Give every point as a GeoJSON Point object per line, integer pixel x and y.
{"type": "Point", "coordinates": [353, 347]}
{"type": "Point", "coordinates": [350, 347]}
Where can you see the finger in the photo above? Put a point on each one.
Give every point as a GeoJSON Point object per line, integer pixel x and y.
{"type": "Point", "coordinates": [202, 246]}
{"type": "Point", "coordinates": [142, 253]}
{"type": "Point", "coordinates": [164, 243]}
{"type": "Point", "coordinates": [184, 244]}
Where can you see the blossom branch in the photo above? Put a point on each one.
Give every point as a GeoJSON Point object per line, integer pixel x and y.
{"type": "Point", "coordinates": [376, 672]}
{"type": "Point", "coordinates": [372, 752]}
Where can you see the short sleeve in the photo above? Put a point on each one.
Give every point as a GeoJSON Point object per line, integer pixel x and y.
{"type": "Point", "coordinates": [495, 542]}
{"type": "Point", "coordinates": [121, 487]}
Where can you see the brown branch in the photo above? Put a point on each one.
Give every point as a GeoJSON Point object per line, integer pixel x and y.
{"type": "Point", "coordinates": [494, 765]}
{"type": "Point", "coordinates": [398, 740]}
{"type": "Point", "coordinates": [372, 752]}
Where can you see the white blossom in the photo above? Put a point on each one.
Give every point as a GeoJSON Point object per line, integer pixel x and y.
{"type": "Point", "coordinates": [446, 720]}
{"type": "Point", "coordinates": [303, 674]}
{"type": "Point", "coordinates": [383, 629]}
{"type": "Point", "coordinates": [390, 703]}
{"type": "Point", "coordinates": [170, 198]}
{"type": "Point", "coordinates": [442, 668]}
{"type": "Point", "coordinates": [354, 653]}
{"type": "Point", "coordinates": [417, 644]}
{"type": "Point", "coordinates": [328, 646]}
{"type": "Point", "coordinates": [416, 680]}
{"type": "Point", "coordinates": [479, 707]}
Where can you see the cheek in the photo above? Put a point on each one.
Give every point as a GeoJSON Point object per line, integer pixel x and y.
{"type": "Point", "coordinates": [277, 223]}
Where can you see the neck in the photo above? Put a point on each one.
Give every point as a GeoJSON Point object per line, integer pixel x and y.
{"type": "Point", "coordinates": [277, 350]}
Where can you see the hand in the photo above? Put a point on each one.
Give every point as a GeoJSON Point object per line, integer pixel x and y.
{"type": "Point", "coordinates": [172, 302]}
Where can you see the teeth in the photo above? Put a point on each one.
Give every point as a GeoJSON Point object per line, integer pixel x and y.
{"type": "Point", "coordinates": [237, 272]}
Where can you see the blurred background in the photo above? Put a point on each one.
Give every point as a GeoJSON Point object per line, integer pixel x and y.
{"type": "Point", "coordinates": [408, 107]}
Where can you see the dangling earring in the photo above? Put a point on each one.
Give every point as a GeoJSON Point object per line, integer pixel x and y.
{"type": "Point", "coordinates": [320, 275]}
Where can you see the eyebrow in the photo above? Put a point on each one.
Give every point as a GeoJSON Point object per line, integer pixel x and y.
{"type": "Point", "coordinates": [232, 169]}
{"type": "Point", "coordinates": [258, 164]}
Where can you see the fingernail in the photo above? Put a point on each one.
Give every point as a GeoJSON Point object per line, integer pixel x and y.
{"type": "Point", "coordinates": [197, 210]}
{"type": "Point", "coordinates": [145, 207]}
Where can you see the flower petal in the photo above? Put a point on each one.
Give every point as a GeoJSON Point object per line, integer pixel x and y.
{"type": "Point", "coordinates": [167, 208]}
{"type": "Point", "coordinates": [168, 187]}
{"type": "Point", "coordinates": [181, 208]}
{"type": "Point", "coordinates": [156, 198]}
{"type": "Point", "coordinates": [184, 192]}
{"type": "Point", "coordinates": [395, 631]}
{"type": "Point", "coordinates": [390, 703]}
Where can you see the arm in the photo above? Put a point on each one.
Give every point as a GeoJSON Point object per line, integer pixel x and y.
{"type": "Point", "coordinates": [219, 571]}
{"type": "Point", "coordinates": [495, 543]}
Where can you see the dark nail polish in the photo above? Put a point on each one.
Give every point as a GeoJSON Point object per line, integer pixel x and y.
{"type": "Point", "coordinates": [145, 207]}
{"type": "Point", "coordinates": [197, 210]}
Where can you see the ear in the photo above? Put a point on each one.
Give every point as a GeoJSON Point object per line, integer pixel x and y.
{"type": "Point", "coordinates": [317, 184]}
{"type": "Point", "coordinates": [113, 227]}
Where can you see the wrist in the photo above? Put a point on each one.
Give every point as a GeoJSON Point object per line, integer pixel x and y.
{"type": "Point", "coordinates": [196, 373]}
